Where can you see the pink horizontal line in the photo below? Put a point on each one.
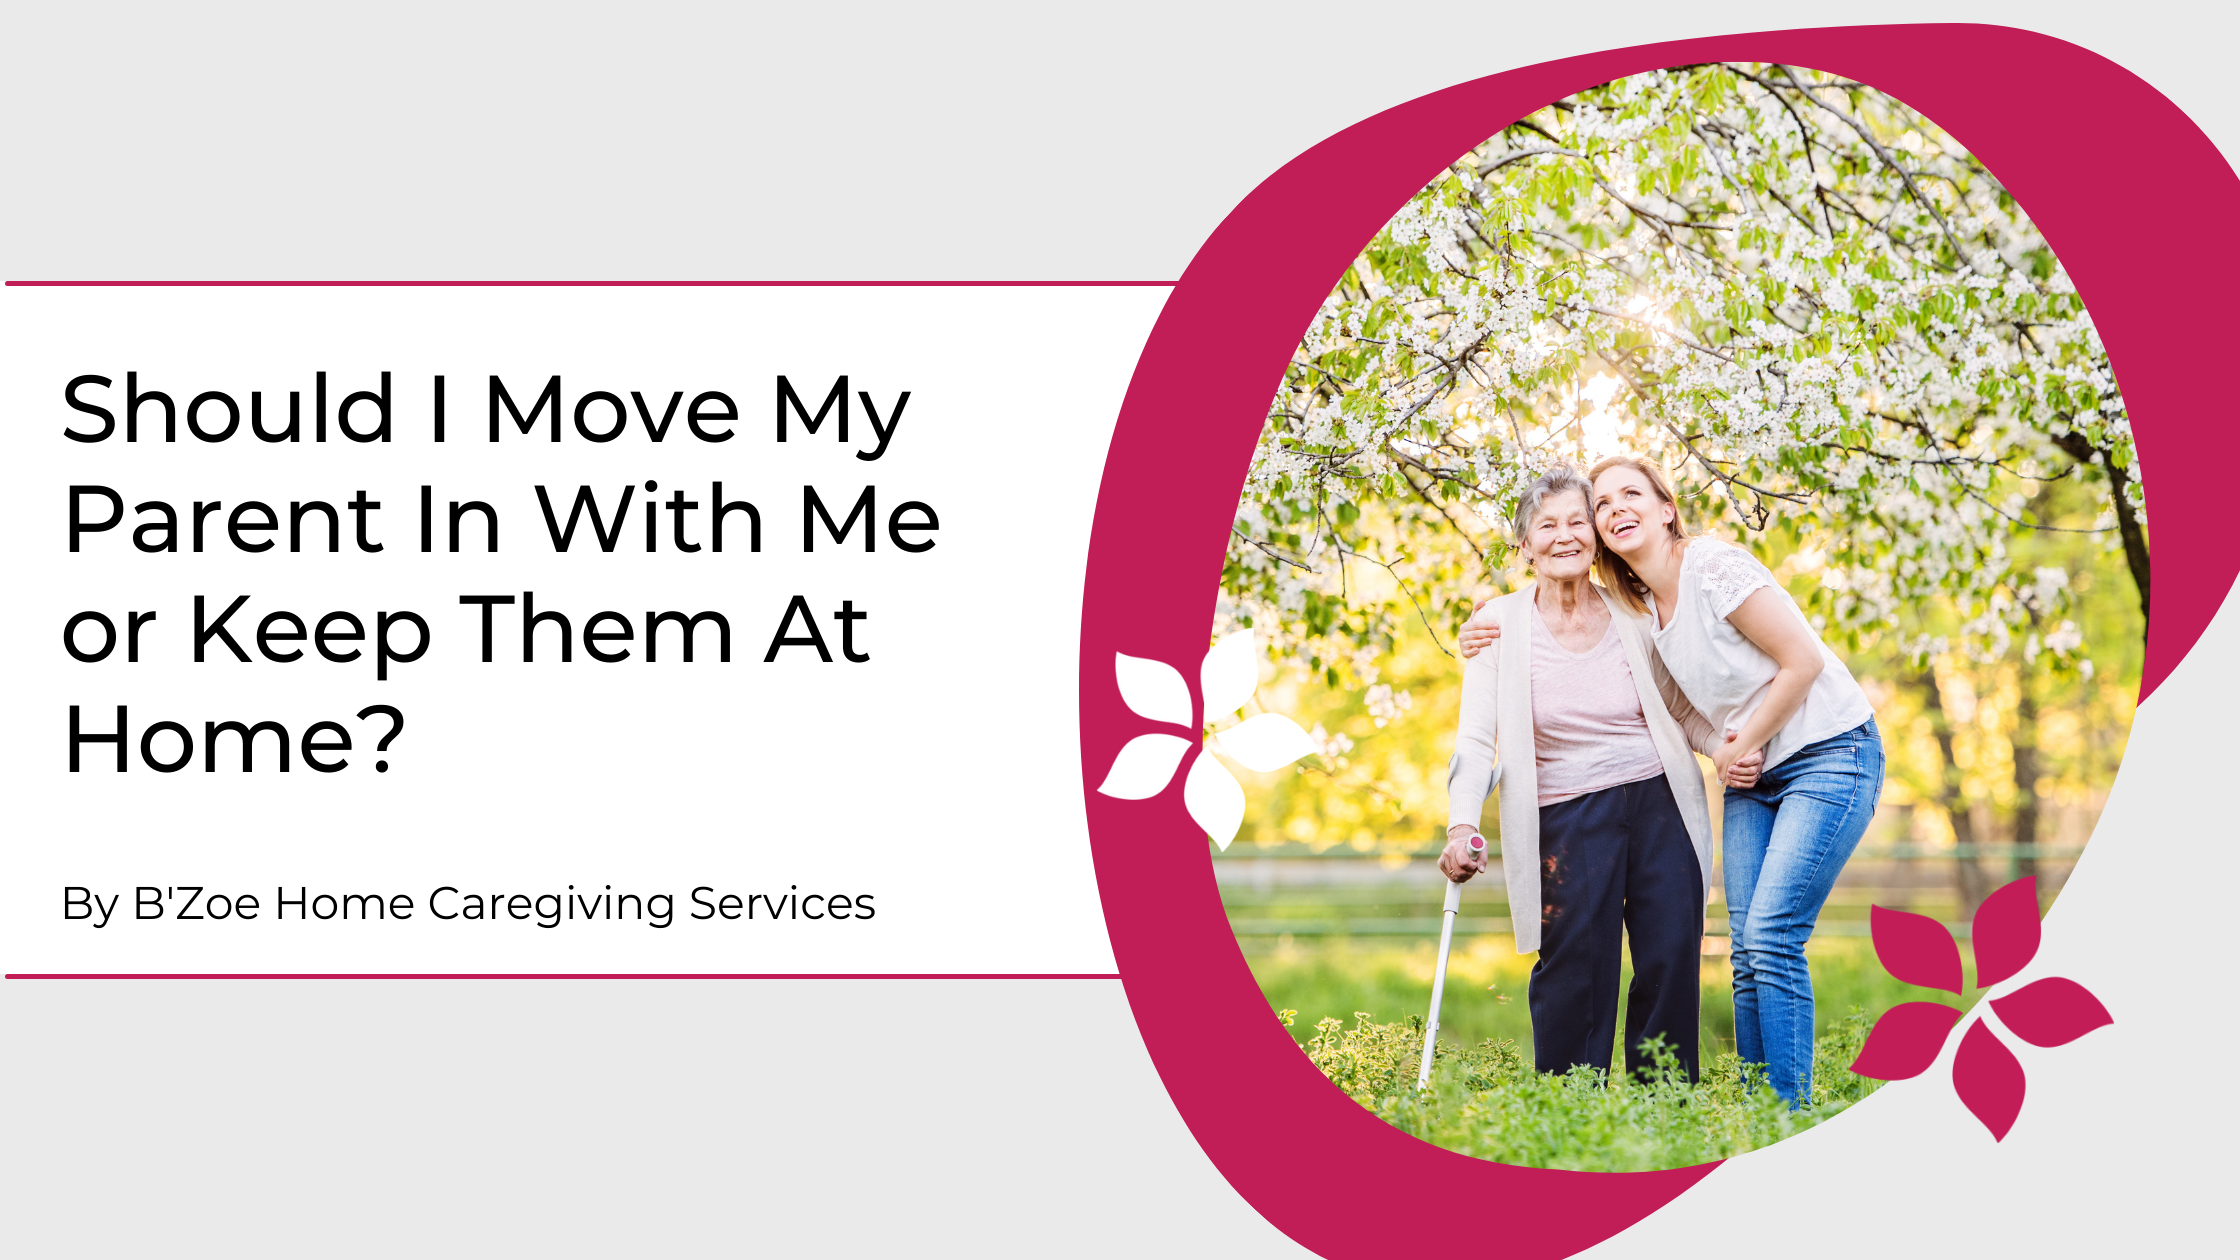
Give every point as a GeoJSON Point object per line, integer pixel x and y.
{"type": "Point", "coordinates": [608, 284]}
{"type": "Point", "coordinates": [556, 975]}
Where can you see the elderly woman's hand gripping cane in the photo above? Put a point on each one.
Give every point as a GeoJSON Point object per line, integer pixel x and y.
{"type": "Point", "coordinates": [1465, 856]}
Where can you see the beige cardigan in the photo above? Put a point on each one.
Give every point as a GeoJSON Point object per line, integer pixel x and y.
{"type": "Point", "coordinates": [1497, 696]}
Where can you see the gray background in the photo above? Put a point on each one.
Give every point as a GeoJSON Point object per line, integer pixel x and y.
{"type": "Point", "coordinates": [654, 142]}
{"type": "Point", "coordinates": [651, 141]}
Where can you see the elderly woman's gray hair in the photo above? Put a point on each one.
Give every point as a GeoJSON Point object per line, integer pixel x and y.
{"type": "Point", "coordinates": [1559, 480]}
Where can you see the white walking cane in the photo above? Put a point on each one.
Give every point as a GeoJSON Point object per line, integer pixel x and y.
{"type": "Point", "coordinates": [1439, 976]}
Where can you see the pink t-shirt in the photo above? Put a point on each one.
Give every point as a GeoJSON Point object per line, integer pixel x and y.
{"type": "Point", "coordinates": [1588, 732]}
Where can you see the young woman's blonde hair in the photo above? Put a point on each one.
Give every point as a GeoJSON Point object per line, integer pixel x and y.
{"type": "Point", "coordinates": [1617, 575]}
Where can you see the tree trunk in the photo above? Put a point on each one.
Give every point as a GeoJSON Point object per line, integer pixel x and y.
{"type": "Point", "coordinates": [2024, 740]}
{"type": "Point", "coordinates": [2081, 449]}
{"type": "Point", "coordinates": [2025, 743]}
{"type": "Point", "coordinates": [1967, 877]}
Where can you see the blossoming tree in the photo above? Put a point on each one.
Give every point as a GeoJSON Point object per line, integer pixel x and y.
{"type": "Point", "coordinates": [1810, 302]}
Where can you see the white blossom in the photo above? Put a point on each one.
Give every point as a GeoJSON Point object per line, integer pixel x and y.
{"type": "Point", "coordinates": [1868, 342]}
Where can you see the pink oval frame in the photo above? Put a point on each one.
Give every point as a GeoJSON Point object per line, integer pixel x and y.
{"type": "Point", "coordinates": [1184, 441]}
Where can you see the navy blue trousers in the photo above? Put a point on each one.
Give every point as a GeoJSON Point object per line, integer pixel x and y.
{"type": "Point", "coordinates": [1617, 864]}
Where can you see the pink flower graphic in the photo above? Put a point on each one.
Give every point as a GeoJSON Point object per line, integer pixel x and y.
{"type": "Point", "coordinates": [1986, 1075]}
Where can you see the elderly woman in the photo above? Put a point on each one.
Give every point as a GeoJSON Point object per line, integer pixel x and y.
{"type": "Point", "coordinates": [1604, 823]}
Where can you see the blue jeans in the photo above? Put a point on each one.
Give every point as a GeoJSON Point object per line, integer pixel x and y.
{"type": "Point", "coordinates": [1785, 842]}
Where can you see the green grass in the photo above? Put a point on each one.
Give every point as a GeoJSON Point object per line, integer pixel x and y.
{"type": "Point", "coordinates": [1488, 1102]}
{"type": "Point", "coordinates": [1334, 977]}
{"type": "Point", "coordinates": [1357, 1009]}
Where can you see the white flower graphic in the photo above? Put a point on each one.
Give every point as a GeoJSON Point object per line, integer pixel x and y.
{"type": "Point", "coordinates": [1146, 764]}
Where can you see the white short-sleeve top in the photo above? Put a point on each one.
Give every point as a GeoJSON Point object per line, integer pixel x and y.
{"type": "Point", "coordinates": [1723, 674]}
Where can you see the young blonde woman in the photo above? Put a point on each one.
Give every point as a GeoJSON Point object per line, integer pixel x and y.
{"type": "Point", "coordinates": [1605, 829]}
{"type": "Point", "coordinates": [1741, 651]}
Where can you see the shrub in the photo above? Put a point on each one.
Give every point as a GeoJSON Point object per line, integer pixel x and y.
{"type": "Point", "coordinates": [1487, 1101]}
